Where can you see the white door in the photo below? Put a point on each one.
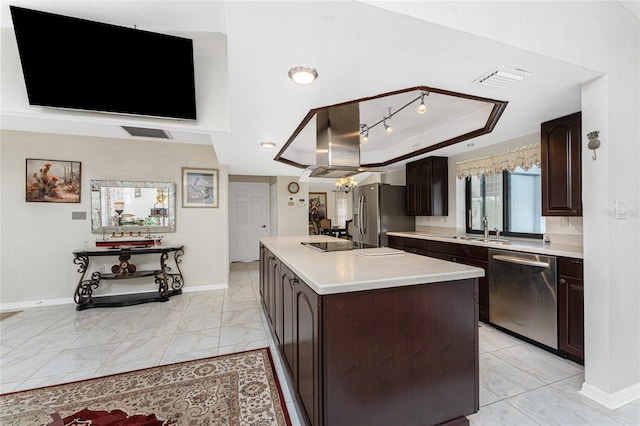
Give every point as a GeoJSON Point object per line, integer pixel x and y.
{"type": "Point", "coordinates": [248, 219]}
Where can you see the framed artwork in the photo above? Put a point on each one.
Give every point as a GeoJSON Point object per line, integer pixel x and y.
{"type": "Point", "coordinates": [317, 206]}
{"type": "Point", "coordinates": [52, 181]}
{"type": "Point", "coordinates": [199, 187]}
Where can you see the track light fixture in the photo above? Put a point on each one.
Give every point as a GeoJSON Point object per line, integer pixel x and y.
{"type": "Point", "coordinates": [364, 131]}
{"type": "Point", "coordinates": [422, 108]}
{"type": "Point", "coordinates": [387, 127]}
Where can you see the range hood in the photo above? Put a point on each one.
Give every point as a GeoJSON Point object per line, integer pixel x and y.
{"type": "Point", "coordinates": [337, 142]}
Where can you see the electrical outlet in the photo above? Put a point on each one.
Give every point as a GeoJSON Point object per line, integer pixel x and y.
{"type": "Point", "coordinates": [78, 215]}
{"type": "Point", "coordinates": [564, 222]}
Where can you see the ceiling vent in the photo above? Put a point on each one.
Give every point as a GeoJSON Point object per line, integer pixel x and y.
{"type": "Point", "coordinates": [503, 77]}
{"type": "Point", "coordinates": [143, 132]}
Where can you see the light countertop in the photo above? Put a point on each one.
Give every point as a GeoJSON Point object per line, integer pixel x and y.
{"type": "Point", "coordinates": [515, 244]}
{"type": "Point", "coordinates": [346, 271]}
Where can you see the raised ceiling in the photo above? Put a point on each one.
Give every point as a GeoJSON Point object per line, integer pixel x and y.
{"type": "Point", "coordinates": [243, 51]}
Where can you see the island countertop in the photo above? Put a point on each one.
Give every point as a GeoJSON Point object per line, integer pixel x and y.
{"type": "Point", "coordinates": [353, 270]}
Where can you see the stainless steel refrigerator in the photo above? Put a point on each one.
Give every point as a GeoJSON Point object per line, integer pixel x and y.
{"type": "Point", "coordinates": [378, 209]}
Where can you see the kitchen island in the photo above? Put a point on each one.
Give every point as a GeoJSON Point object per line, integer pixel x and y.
{"type": "Point", "coordinates": [373, 336]}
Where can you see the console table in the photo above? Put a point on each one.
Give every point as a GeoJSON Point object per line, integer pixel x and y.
{"type": "Point", "coordinates": [169, 283]}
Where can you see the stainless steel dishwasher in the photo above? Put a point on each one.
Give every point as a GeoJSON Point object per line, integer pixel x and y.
{"type": "Point", "coordinates": [523, 295]}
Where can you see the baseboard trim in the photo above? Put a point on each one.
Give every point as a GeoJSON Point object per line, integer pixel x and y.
{"type": "Point", "coordinates": [17, 306]}
{"type": "Point", "coordinates": [611, 400]}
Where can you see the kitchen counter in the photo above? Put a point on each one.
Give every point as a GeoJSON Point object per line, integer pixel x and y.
{"type": "Point", "coordinates": [347, 271]}
{"type": "Point", "coordinates": [515, 244]}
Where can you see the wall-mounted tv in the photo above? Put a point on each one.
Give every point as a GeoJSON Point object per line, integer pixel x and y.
{"type": "Point", "coordinates": [85, 65]}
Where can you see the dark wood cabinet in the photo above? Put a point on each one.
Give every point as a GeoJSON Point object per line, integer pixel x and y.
{"type": "Point", "coordinates": [561, 169]}
{"type": "Point", "coordinates": [350, 355]}
{"type": "Point", "coordinates": [427, 187]}
{"type": "Point", "coordinates": [571, 308]}
{"type": "Point", "coordinates": [307, 346]}
{"type": "Point", "coordinates": [467, 255]}
{"type": "Point", "coordinates": [396, 242]}
{"type": "Point", "coordinates": [416, 246]}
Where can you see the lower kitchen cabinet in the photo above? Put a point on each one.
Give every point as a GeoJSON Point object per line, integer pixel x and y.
{"type": "Point", "coordinates": [467, 255]}
{"type": "Point", "coordinates": [351, 357]}
{"type": "Point", "coordinates": [293, 310]}
{"type": "Point", "coordinates": [571, 308]}
{"type": "Point", "coordinates": [396, 242]}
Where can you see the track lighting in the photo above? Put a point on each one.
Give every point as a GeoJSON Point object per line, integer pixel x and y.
{"type": "Point", "coordinates": [422, 108]}
{"type": "Point", "coordinates": [387, 127]}
{"type": "Point", "coordinates": [364, 131]}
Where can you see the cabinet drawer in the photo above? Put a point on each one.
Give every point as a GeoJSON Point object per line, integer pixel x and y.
{"type": "Point", "coordinates": [570, 267]}
{"type": "Point", "coordinates": [397, 242]}
{"type": "Point", "coordinates": [462, 250]}
{"type": "Point", "coordinates": [417, 246]}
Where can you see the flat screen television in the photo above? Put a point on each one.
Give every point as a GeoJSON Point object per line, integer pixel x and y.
{"type": "Point", "coordinates": [86, 65]}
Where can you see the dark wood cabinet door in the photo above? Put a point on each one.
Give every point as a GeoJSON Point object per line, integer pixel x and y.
{"type": "Point", "coordinates": [263, 270]}
{"type": "Point", "coordinates": [396, 242]}
{"type": "Point", "coordinates": [274, 267]}
{"type": "Point", "coordinates": [307, 348]}
{"type": "Point", "coordinates": [571, 308]}
{"type": "Point", "coordinates": [288, 298]}
{"type": "Point", "coordinates": [483, 282]}
{"type": "Point", "coordinates": [424, 187]}
{"type": "Point", "coordinates": [412, 179]}
{"type": "Point", "coordinates": [561, 166]}
{"type": "Point", "coordinates": [278, 301]}
{"type": "Point", "coordinates": [427, 187]}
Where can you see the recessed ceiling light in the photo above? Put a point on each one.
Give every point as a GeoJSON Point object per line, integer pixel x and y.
{"type": "Point", "coordinates": [268, 144]}
{"type": "Point", "coordinates": [303, 74]}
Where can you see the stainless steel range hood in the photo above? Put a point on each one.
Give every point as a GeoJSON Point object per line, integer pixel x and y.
{"type": "Point", "coordinates": [337, 142]}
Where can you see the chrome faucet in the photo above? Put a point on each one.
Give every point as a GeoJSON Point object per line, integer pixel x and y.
{"type": "Point", "coordinates": [485, 224]}
{"type": "Point", "coordinates": [497, 233]}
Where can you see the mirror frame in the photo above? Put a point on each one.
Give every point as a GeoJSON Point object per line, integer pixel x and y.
{"type": "Point", "coordinates": [97, 185]}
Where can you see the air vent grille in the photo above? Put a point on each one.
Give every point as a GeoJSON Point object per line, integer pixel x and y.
{"type": "Point", "coordinates": [503, 78]}
{"type": "Point", "coordinates": [147, 133]}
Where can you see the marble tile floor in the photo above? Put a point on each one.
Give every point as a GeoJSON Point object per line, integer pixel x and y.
{"type": "Point", "coordinates": [519, 383]}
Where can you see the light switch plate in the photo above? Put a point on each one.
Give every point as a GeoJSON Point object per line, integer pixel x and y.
{"type": "Point", "coordinates": [621, 209]}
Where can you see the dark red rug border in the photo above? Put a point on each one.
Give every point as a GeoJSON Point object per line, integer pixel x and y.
{"type": "Point", "coordinates": [280, 393]}
{"type": "Point", "coordinates": [269, 355]}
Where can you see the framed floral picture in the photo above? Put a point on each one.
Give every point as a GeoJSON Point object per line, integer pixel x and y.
{"type": "Point", "coordinates": [53, 181]}
{"type": "Point", "coordinates": [199, 187]}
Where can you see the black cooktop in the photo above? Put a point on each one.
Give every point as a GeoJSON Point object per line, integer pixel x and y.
{"type": "Point", "coordinates": [338, 245]}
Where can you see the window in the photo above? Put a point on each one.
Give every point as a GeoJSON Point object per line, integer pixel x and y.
{"type": "Point", "coordinates": [511, 201]}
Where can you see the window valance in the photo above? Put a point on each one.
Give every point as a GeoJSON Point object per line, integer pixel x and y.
{"type": "Point", "coordinates": [524, 157]}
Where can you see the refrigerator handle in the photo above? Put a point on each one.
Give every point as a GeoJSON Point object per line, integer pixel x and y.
{"type": "Point", "coordinates": [363, 215]}
{"type": "Point", "coordinates": [359, 224]}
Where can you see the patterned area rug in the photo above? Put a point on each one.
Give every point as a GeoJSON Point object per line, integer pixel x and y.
{"type": "Point", "coordinates": [236, 389]}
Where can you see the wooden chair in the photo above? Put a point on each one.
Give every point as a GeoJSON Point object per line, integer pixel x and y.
{"type": "Point", "coordinates": [349, 226]}
{"type": "Point", "coordinates": [325, 224]}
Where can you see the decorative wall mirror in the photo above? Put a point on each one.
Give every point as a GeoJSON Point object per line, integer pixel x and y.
{"type": "Point", "coordinates": [122, 206]}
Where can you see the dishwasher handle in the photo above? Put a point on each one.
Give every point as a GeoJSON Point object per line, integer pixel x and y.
{"type": "Point", "coordinates": [520, 261]}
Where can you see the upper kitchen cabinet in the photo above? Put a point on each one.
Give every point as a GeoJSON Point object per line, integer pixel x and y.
{"type": "Point", "coordinates": [427, 187]}
{"type": "Point", "coordinates": [561, 166]}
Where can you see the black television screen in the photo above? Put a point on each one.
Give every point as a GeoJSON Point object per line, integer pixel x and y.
{"type": "Point", "coordinates": [80, 64]}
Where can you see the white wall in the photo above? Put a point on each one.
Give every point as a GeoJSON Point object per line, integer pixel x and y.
{"type": "Point", "coordinates": [293, 214]}
{"type": "Point", "coordinates": [38, 238]}
{"type": "Point", "coordinates": [602, 36]}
